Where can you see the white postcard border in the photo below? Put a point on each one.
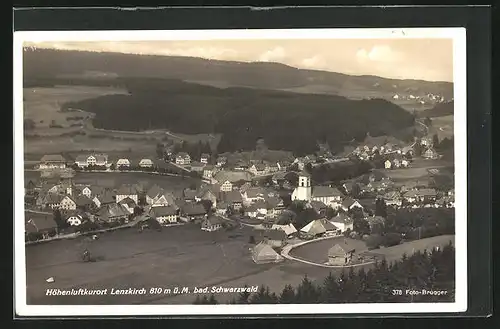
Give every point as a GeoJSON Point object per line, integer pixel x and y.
{"type": "Point", "coordinates": [460, 134]}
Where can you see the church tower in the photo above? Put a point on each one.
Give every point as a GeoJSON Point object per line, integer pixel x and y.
{"type": "Point", "coordinates": [303, 190]}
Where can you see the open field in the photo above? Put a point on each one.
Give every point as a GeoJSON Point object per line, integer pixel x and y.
{"type": "Point", "coordinates": [408, 248]}
{"type": "Point", "coordinates": [317, 252]}
{"type": "Point", "coordinates": [417, 170]}
{"type": "Point", "coordinates": [42, 105]}
{"type": "Point", "coordinates": [153, 259]}
{"type": "Point", "coordinates": [443, 126]}
{"type": "Point", "coordinates": [115, 179]}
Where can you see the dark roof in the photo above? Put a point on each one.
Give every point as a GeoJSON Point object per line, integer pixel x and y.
{"type": "Point", "coordinates": [273, 202]}
{"type": "Point", "coordinates": [162, 211]}
{"type": "Point", "coordinates": [53, 198]}
{"type": "Point", "coordinates": [341, 218]}
{"type": "Point", "coordinates": [128, 201]}
{"type": "Point", "coordinates": [37, 222]}
{"type": "Point", "coordinates": [112, 210]}
{"type": "Point", "coordinates": [53, 158]}
{"type": "Point", "coordinates": [189, 194]}
{"type": "Point", "coordinates": [348, 202]}
{"type": "Point", "coordinates": [232, 197]}
{"type": "Point", "coordinates": [318, 205]}
{"type": "Point", "coordinates": [340, 249]}
{"type": "Point", "coordinates": [325, 191]}
{"type": "Point", "coordinates": [213, 220]}
{"type": "Point", "coordinates": [154, 191]}
{"type": "Point", "coordinates": [82, 200]}
{"type": "Point", "coordinates": [193, 209]}
{"type": "Point", "coordinates": [126, 190]}
{"type": "Point", "coordinates": [106, 197]}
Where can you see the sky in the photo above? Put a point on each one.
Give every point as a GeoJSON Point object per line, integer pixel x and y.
{"type": "Point", "coordinates": [422, 59]}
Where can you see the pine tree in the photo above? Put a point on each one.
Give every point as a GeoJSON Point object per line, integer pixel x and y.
{"type": "Point", "coordinates": [262, 296]}
{"type": "Point", "coordinates": [307, 292]}
{"type": "Point", "coordinates": [212, 300]}
{"type": "Point", "coordinates": [330, 291]}
{"type": "Point", "coordinates": [243, 297]}
{"type": "Point", "coordinates": [287, 296]}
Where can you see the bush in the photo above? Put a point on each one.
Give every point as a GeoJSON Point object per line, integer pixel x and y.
{"type": "Point", "coordinates": [374, 241]}
{"type": "Point", "coordinates": [391, 239]}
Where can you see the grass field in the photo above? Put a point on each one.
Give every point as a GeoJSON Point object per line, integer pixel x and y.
{"type": "Point", "coordinates": [42, 104]}
{"type": "Point", "coordinates": [417, 170]}
{"type": "Point", "coordinates": [169, 183]}
{"type": "Point", "coordinates": [317, 252]}
{"type": "Point", "coordinates": [177, 256]}
{"type": "Point", "coordinates": [443, 126]}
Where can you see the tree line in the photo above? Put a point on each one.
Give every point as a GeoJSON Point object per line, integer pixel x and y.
{"type": "Point", "coordinates": [383, 283]}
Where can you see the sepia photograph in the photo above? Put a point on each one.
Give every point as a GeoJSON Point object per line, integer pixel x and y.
{"type": "Point", "coordinates": [194, 172]}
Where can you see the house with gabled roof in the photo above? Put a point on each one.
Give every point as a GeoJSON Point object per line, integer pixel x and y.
{"type": "Point", "coordinates": [127, 191]}
{"type": "Point", "coordinates": [74, 218]}
{"type": "Point", "coordinates": [233, 199]}
{"type": "Point", "coordinates": [211, 224]}
{"type": "Point", "coordinates": [193, 211]}
{"type": "Point", "coordinates": [129, 204]}
{"type": "Point", "coordinates": [84, 161]}
{"type": "Point", "coordinates": [113, 212]}
{"type": "Point", "coordinates": [83, 202]}
{"type": "Point", "coordinates": [274, 238]}
{"type": "Point", "coordinates": [343, 222]}
{"type": "Point", "coordinates": [259, 169]}
{"type": "Point", "coordinates": [122, 163]}
{"type": "Point", "coordinates": [153, 194]}
{"type": "Point", "coordinates": [340, 254]}
{"type": "Point", "coordinates": [164, 214]}
{"type": "Point", "coordinates": [104, 198]}
{"type": "Point", "coordinates": [146, 163]}
{"type": "Point", "coordinates": [350, 203]}
{"type": "Point", "coordinates": [52, 161]}
{"type": "Point", "coordinates": [263, 253]}
{"type": "Point", "coordinates": [183, 159]}
{"type": "Point", "coordinates": [67, 203]}
{"type": "Point", "coordinates": [319, 227]}
{"type": "Point", "coordinates": [392, 198]}
{"type": "Point", "coordinates": [38, 223]}
{"type": "Point", "coordinates": [205, 158]}
{"type": "Point", "coordinates": [164, 200]}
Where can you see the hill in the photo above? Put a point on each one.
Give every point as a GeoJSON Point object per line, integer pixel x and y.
{"type": "Point", "coordinates": [44, 63]}
{"type": "Point", "coordinates": [439, 110]}
{"type": "Point", "coordinates": [285, 120]}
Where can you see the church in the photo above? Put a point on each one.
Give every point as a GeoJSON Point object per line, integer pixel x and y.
{"type": "Point", "coordinates": [330, 196]}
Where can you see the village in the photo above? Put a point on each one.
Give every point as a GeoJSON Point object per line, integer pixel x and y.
{"type": "Point", "coordinates": [278, 201]}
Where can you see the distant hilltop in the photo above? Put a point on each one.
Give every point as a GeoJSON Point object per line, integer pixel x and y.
{"type": "Point", "coordinates": [46, 63]}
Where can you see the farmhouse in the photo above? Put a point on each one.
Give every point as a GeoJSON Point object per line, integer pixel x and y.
{"type": "Point", "coordinates": [208, 172]}
{"type": "Point", "coordinates": [127, 191]}
{"type": "Point", "coordinates": [74, 218]}
{"type": "Point", "coordinates": [182, 159]}
{"type": "Point", "coordinates": [164, 200]}
{"type": "Point", "coordinates": [274, 238]}
{"type": "Point", "coordinates": [197, 166]}
{"type": "Point", "coordinates": [164, 214]}
{"type": "Point", "coordinates": [37, 223]}
{"type": "Point", "coordinates": [318, 206]}
{"type": "Point", "coordinates": [343, 222]}
{"type": "Point", "coordinates": [350, 203]}
{"type": "Point", "coordinates": [153, 194]}
{"type": "Point", "coordinates": [128, 204]}
{"type": "Point", "coordinates": [259, 169]}
{"type": "Point", "coordinates": [289, 229]}
{"type": "Point", "coordinates": [83, 202]}
{"type": "Point", "coordinates": [319, 227]}
{"type": "Point", "coordinates": [221, 208]}
{"type": "Point", "coordinates": [113, 212]}
{"type": "Point", "coordinates": [340, 254]}
{"type": "Point", "coordinates": [253, 194]}
{"type": "Point", "coordinates": [122, 163]}
{"type": "Point", "coordinates": [52, 161]}
{"type": "Point", "coordinates": [263, 253]}
{"type": "Point", "coordinates": [221, 161]}
{"type": "Point", "coordinates": [67, 203]}
{"type": "Point", "coordinates": [387, 164]}
{"type": "Point", "coordinates": [232, 176]}
{"type": "Point", "coordinates": [50, 200]}
{"type": "Point", "coordinates": [393, 199]}
{"type": "Point", "coordinates": [233, 199]}
{"type": "Point", "coordinates": [211, 224]}
{"type": "Point", "coordinates": [430, 153]}
{"type": "Point", "coordinates": [193, 211]}
{"type": "Point", "coordinates": [421, 195]}
{"type": "Point", "coordinates": [100, 160]}
{"type": "Point", "coordinates": [208, 193]}
{"type": "Point", "coordinates": [106, 197]}
{"type": "Point", "coordinates": [146, 163]}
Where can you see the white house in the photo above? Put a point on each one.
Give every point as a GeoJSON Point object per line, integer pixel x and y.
{"type": "Point", "coordinates": [259, 169]}
{"type": "Point", "coordinates": [146, 163]}
{"type": "Point", "coordinates": [227, 186]}
{"type": "Point", "coordinates": [343, 222]}
{"type": "Point", "coordinates": [74, 219]}
{"type": "Point", "coordinates": [87, 192]}
{"type": "Point", "coordinates": [128, 204]}
{"type": "Point", "coordinates": [122, 163]}
{"type": "Point", "coordinates": [211, 224]}
{"type": "Point", "coordinates": [387, 164]}
{"type": "Point", "coordinates": [208, 172]}
{"type": "Point", "coordinates": [221, 161]}
{"type": "Point", "coordinates": [164, 200]}
{"type": "Point", "coordinates": [67, 203]}
{"type": "Point", "coordinates": [84, 161]}
{"type": "Point", "coordinates": [182, 159]}
{"type": "Point", "coordinates": [405, 163]}
{"type": "Point", "coordinates": [350, 204]}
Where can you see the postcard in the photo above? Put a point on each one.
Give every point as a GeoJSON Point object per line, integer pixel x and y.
{"type": "Point", "coordinates": [252, 172]}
